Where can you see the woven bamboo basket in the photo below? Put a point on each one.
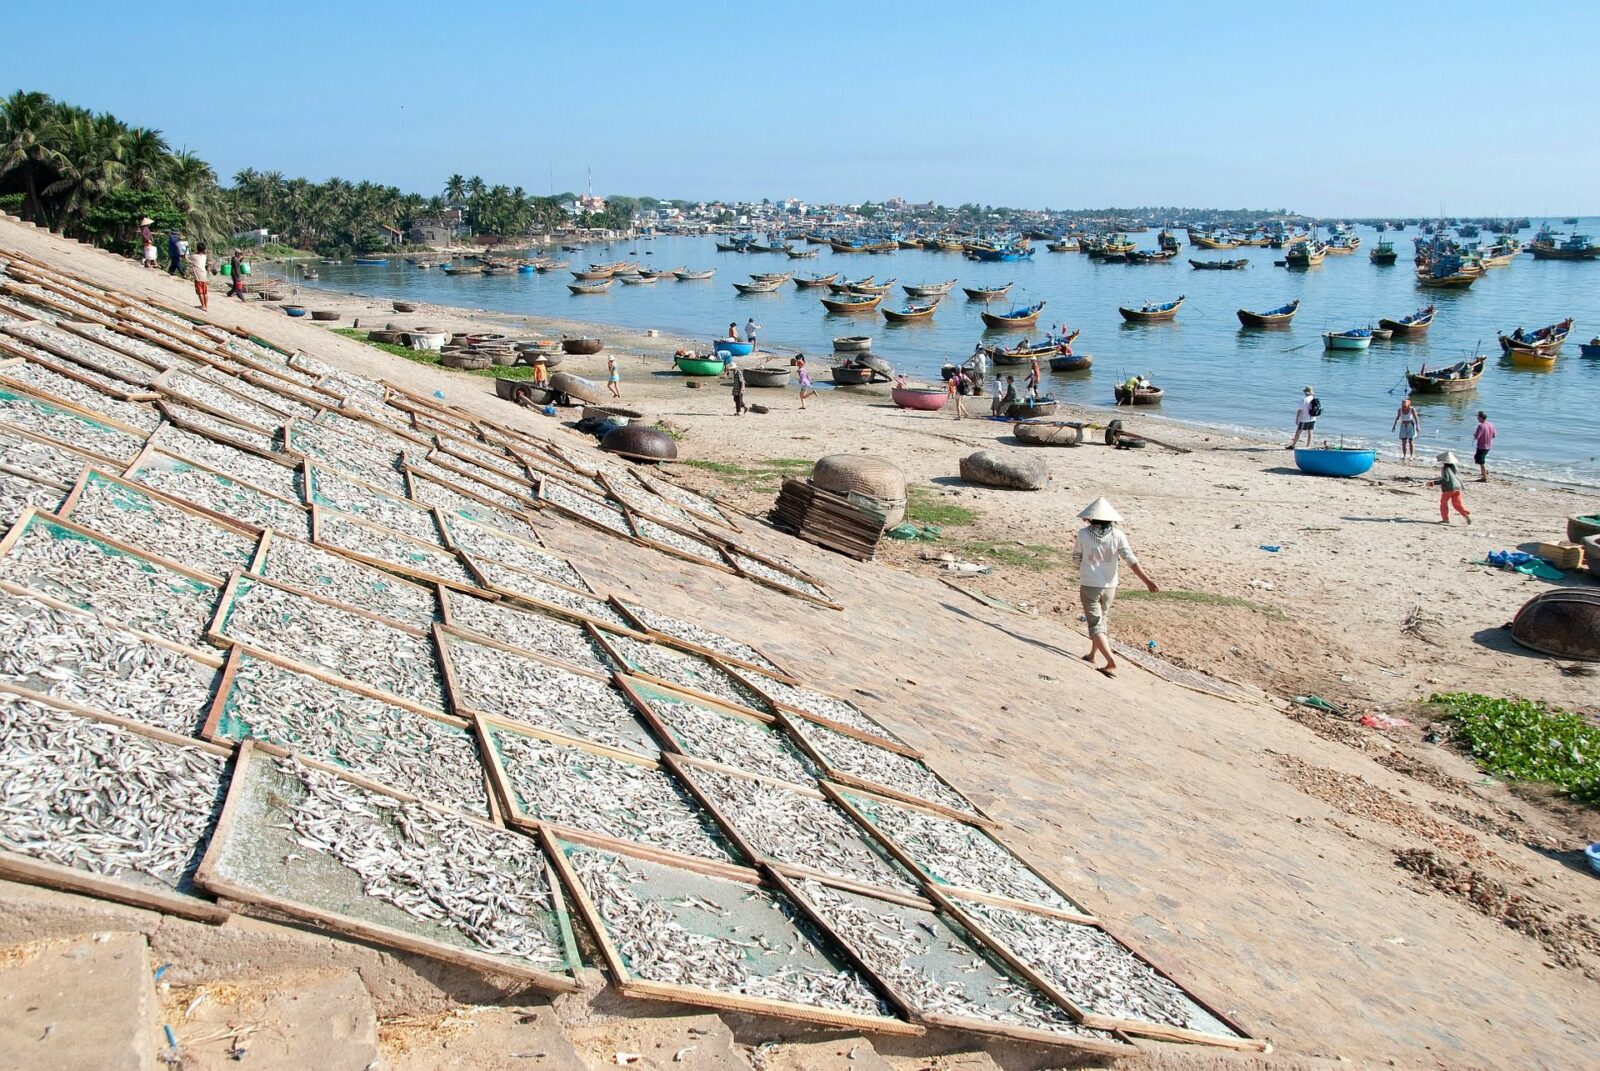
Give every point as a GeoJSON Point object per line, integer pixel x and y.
{"type": "Point", "coordinates": [872, 483]}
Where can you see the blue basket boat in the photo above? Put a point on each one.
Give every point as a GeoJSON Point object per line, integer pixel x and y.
{"type": "Point", "coordinates": [1334, 461]}
{"type": "Point", "coordinates": [732, 348]}
{"type": "Point", "coordinates": [371, 260]}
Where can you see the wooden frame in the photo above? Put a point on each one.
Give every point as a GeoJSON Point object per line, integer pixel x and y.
{"type": "Point", "coordinates": [627, 667]}
{"type": "Point", "coordinates": [517, 818]}
{"type": "Point", "coordinates": [573, 515]}
{"type": "Point", "coordinates": [165, 384]}
{"type": "Point", "coordinates": [51, 299]}
{"type": "Point", "coordinates": [69, 368]}
{"type": "Point", "coordinates": [933, 886]}
{"type": "Point", "coordinates": [518, 597]}
{"type": "Point", "coordinates": [172, 410]}
{"type": "Point", "coordinates": [272, 536]}
{"type": "Point", "coordinates": [724, 521]}
{"type": "Point", "coordinates": [18, 867]}
{"type": "Point", "coordinates": [413, 477]}
{"type": "Point", "coordinates": [321, 514]}
{"type": "Point", "coordinates": [526, 497]}
{"type": "Point", "coordinates": [937, 1019]}
{"type": "Point", "coordinates": [73, 409]}
{"type": "Point", "coordinates": [114, 345]}
{"type": "Point", "coordinates": [449, 629]}
{"type": "Point", "coordinates": [153, 450]}
{"type": "Point", "coordinates": [723, 566]}
{"type": "Point", "coordinates": [733, 552]}
{"type": "Point", "coordinates": [630, 986]}
{"type": "Point", "coordinates": [728, 661]}
{"type": "Point", "coordinates": [207, 877]}
{"type": "Point", "coordinates": [887, 740]}
{"type": "Point", "coordinates": [313, 471]}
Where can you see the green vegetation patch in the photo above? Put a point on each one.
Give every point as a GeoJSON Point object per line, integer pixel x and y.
{"type": "Point", "coordinates": [430, 357]}
{"type": "Point", "coordinates": [1525, 740]}
{"type": "Point", "coordinates": [1127, 592]}
{"type": "Point", "coordinates": [924, 505]}
{"type": "Point", "coordinates": [758, 475]}
{"type": "Point", "coordinates": [1019, 555]}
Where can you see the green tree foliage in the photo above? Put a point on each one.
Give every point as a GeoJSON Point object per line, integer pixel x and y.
{"type": "Point", "coordinates": [113, 220]}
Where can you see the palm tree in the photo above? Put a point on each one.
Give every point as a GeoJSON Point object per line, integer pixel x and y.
{"type": "Point", "coordinates": [475, 186]}
{"type": "Point", "coordinates": [455, 188]}
{"type": "Point", "coordinates": [89, 147]}
{"type": "Point", "coordinates": [26, 121]}
{"type": "Point", "coordinates": [144, 154]}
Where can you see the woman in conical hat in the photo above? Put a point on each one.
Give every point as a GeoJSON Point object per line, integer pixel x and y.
{"type": "Point", "coordinates": [1100, 545]}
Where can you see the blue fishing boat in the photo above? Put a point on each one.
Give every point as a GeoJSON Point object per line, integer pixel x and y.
{"type": "Point", "coordinates": [1357, 338]}
{"type": "Point", "coordinates": [1003, 254]}
{"type": "Point", "coordinates": [371, 260]}
{"type": "Point", "coordinates": [1590, 348]}
{"type": "Point", "coordinates": [1334, 461]}
{"type": "Point", "coordinates": [731, 348]}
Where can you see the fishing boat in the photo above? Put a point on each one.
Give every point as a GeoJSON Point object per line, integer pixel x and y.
{"type": "Point", "coordinates": [871, 289]}
{"type": "Point", "coordinates": [1447, 270]}
{"type": "Point", "coordinates": [928, 290]}
{"type": "Point", "coordinates": [371, 261]}
{"type": "Point", "coordinates": [694, 276]}
{"type": "Point", "coordinates": [1218, 265]}
{"type": "Point", "coordinates": [1590, 348]}
{"type": "Point", "coordinates": [699, 366]}
{"type": "Point", "coordinates": [843, 285]}
{"type": "Point", "coordinates": [909, 312]}
{"type": "Point", "coordinates": [545, 267]}
{"type": "Point", "coordinates": [767, 377]}
{"type": "Point", "coordinates": [1415, 324]}
{"type": "Point", "coordinates": [1006, 254]}
{"type": "Point", "coordinates": [661, 273]}
{"type": "Point", "coordinates": [639, 280]}
{"type": "Point", "coordinates": [986, 293]}
{"type": "Point", "coordinates": [1382, 334]}
{"type": "Point", "coordinates": [732, 348]}
{"type": "Point", "coordinates": [1540, 344]}
{"type": "Point", "coordinates": [1026, 351]}
{"type": "Point", "coordinates": [1577, 247]}
{"type": "Point", "coordinates": [463, 269]}
{"type": "Point", "coordinates": [801, 254]}
{"type": "Point", "coordinates": [1336, 461]}
{"type": "Point", "coordinates": [1168, 241]}
{"type": "Point", "coordinates": [1021, 316]}
{"type": "Point", "coordinates": [1151, 395]}
{"type": "Point", "coordinates": [851, 303]}
{"type": "Point", "coordinates": [1150, 256]}
{"type": "Point", "coordinates": [851, 375]}
{"type": "Point", "coordinates": [599, 287]}
{"type": "Point", "coordinates": [852, 343]}
{"type": "Point", "coordinates": [1066, 245]}
{"type": "Point", "coordinates": [1278, 317]}
{"type": "Point", "coordinates": [806, 282]}
{"type": "Point", "coordinates": [1030, 408]}
{"type": "Point", "coordinates": [773, 277]}
{"type": "Point", "coordinates": [1501, 254]}
{"type": "Point", "coordinates": [1344, 244]}
{"type": "Point", "coordinates": [589, 275]}
{"type": "Point", "coordinates": [1215, 241]}
{"type": "Point", "coordinates": [925, 399]}
{"type": "Point", "coordinates": [757, 288]}
{"type": "Point", "coordinates": [1357, 338]}
{"type": "Point", "coordinates": [1383, 253]}
{"type": "Point", "coordinates": [1071, 362]}
{"type": "Point", "coordinates": [1455, 379]}
{"type": "Point", "coordinates": [1305, 253]}
{"type": "Point", "coordinates": [1150, 312]}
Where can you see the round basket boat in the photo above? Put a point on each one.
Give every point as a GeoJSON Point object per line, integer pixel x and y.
{"type": "Point", "coordinates": [466, 362]}
{"type": "Point", "coordinates": [732, 348]}
{"type": "Point", "coordinates": [603, 412]}
{"type": "Point", "coordinates": [1581, 526]}
{"type": "Point", "coordinates": [766, 377]}
{"type": "Point", "coordinates": [1026, 410]}
{"type": "Point", "coordinates": [294, 310]}
{"type": "Point", "coordinates": [698, 366]}
{"type": "Point", "coordinates": [405, 306]}
{"type": "Point", "coordinates": [271, 295]}
{"type": "Point", "coordinates": [1564, 623]}
{"type": "Point", "coordinates": [640, 442]}
{"type": "Point", "coordinates": [389, 338]}
{"type": "Point", "coordinates": [1049, 433]}
{"type": "Point", "coordinates": [870, 482]}
{"type": "Point", "coordinates": [522, 392]}
{"type": "Point", "coordinates": [576, 387]}
{"type": "Point", "coordinates": [852, 343]}
{"type": "Point", "coordinates": [582, 345]}
{"type": "Point", "coordinates": [425, 339]}
{"type": "Point", "coordinates": [927, 399]}
{"type": "Point", "coordinates": [851, 377]}
{"type": "Point", "coordinates": [326, 316]}
{"type": "Point", "coordinates": [882, 370]}
{"type": "Point", "coordinates": [1591, 554]}
{"type": "Point", "coordinates": [1334, 461]}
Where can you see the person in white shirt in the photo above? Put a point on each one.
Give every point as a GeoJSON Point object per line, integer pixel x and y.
{"type": "Point", "coordinates": [198, 269]}
{"type": "Point", "coordinates": [1305, 418]}
{"type": "Point", "coordinates": [1100, 546]}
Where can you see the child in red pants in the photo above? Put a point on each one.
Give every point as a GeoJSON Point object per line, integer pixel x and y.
{"type": "Point", "coordinates": [1449, 484]}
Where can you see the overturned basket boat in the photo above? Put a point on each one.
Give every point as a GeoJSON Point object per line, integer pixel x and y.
{"type": "Point", "coordinates": [1564, 623]}
{"type": "Point", "coordinates": [1049, 432]}
{"type": "Point", "coordinates": [582, 345]}
{"type": "Point", "coordinates": [851, 376]}
{"type": "Point", "coordinates": [1071, 362]}
{"type": "Point", "coordinates": [522, 392]}
{"type": "Point", "coordinates": [640, 442]}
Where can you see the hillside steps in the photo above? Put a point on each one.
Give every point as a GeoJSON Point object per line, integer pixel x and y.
{"type": "Point", "coordinates": [79, 1002]}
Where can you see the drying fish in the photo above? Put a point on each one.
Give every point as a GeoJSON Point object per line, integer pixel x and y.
{"type": "Point", "coordinates": [271, 477]}
{"type": "Point", "coordinates": [684, 669]}
{"type": "Point", "coordinates": [531, 631]}
{"type": "Point", "coordinates": [197, 390]}
{"type": "Point", "coordinates": [821, 704]}
{"type": "Point", "coordinates": [642, 501]}
{"type": "Point", "coordinates": [422, 464]}
{"type": "Point", "coordinates": [376, 464]}
{"type": "Point", "coordinates": [194, 419]}
{"type": "Point", "coordinates": [128, 514]}
{"type": "Point", "coordinates": [270, 400]}
{"type": "Point", "coordinates": [344, 532]}
{"type": "Point", "coordinates": [45, 381]}
{"type": "Point", "coordinates": [40, 460]}
{"type": "Point", "coordinates": [527, 586]}
{"type": "Point", "coordinates": [688, 632]}
{"type": "Point", "coordinates": [600, 513]}
{"type": "Point", "coordinates": [335, 490]}
{"type": "Point", "coordinates": [725, 737]}
{"type": "Point", "coordinates": [776, 576]}
{"type": "Point", "coordinates": [530, 562]}
{"type": "Point", "coordinates": [19, 491]}
{"type": "Point", "coordinates": [660, 533]}
{"type": "Point", "coordinates": [332, 575]}
{"type": "Point", "coordinates": [890, 769]}
{"type": "Point", "coordinates": [65, 426]}
{"type": "Point", "coordinates": [101, 351]}
{"type": "Point", "coordinates": [221, 494]}
{"type": "Point", "coordinates": [456, 506]}
{"type": "Point", "coordinates": [689, 500]}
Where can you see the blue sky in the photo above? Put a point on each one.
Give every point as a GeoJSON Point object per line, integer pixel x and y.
{"type": "Point", "coordinates": [1351, 108]}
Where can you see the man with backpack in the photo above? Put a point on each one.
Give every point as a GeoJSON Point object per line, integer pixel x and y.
{"type": "Point", "coordinates": [1305, 418]}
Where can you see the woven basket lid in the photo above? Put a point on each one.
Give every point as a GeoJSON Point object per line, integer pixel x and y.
{"type": "Point", "coordinates": [862, 474]}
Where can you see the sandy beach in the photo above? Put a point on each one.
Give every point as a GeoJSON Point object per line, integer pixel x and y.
{"type": "Point", "coordinates": [1361, 897]}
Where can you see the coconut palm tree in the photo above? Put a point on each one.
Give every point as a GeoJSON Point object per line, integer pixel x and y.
{"type": "Point", "coordinates": [90, 151]}
{"type": "Point", "coordinates": [144, 154]}
{"type": "Point", "coordinates": [27, 121]}
{"type": "Point", "coordinates": [455, 188]}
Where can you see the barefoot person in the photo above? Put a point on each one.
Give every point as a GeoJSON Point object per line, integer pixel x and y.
{"type": "Point", "coordinates": [1409, 421]}
{"type": "Point", "coordinates": [1449, 484]}
{"type": "Point", "coordinates": [736, 377]}
{"type": "Point", "coordinates": [1305, 418]}
{"type": "Point", "coordinates": [1482, 438]}
{"type": "Point", "coordinates": [803, 375]}
{"type": "Point", "coordinates": [198, 269]}
{"type": "Point", "coordinates": [1100, 545]}
{"type": "Point", "coordinates": [955, 388]}
{"type": "Point", "coordinates": [613, 377]}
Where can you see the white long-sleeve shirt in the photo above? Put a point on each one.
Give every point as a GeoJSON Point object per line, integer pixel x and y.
{"type": "Point", "coordinates": [1097, 551]}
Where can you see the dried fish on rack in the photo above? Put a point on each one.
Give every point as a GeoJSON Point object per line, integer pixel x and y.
{"type": "Point", "coordinates": [377, 464]}
{"type": "Point", "coordinates": [1093, 970]}
{"type": "Point", "coordinates": [18, 491]}
{"type": "Point", "coordinates": [331, 488]}
{"type": "Point", "coordinates": [133, 359]}
{"type": "Point", "coordinates": [810, 701]}
{"type": "Point", "coordinates": [879, 766]}
{"type": "Point", "coordinates": [200, 391]}
{"type": "Point", "coordinates": [44, 380]}
{"type": "Point", "coordinates": [220, 493]}
{"type": "Point", "coordinates": [125, 512]}
{"type": "Point", "coordinates": [394, 550]}
{"type": "Point", "coordinates": [77, 657]}
{"type": "Point", "coordinates": [692, 501]}
{"type": "Point", "coordinates": [423, 465]}
{"type": "Point", "coordinates": [777, 577]}
{"type": "Point", "coordinates": [535, 565]}
{"type": "Point", "coordinates": [631, 801]}
{"type": "Point", "coordinates": [490, 679]}
{"type": "Point", "coordinates": [957, 854]}
{"type": "Point", "coordinates": [398, 747]}
{"type": "Point", "coordinates": [79, 568]}
{"type": "Point", "coordinates": [275, 478]}
{"type": "Point", "coordinates": [698, 549]}
{"type": "Point", "coordinates": [60, 424]}
{"type": "Point", "coordinates": [348, 644]}
{"type": "Point", "coordinates": [488, 541]}
{"type": "Point", "coordinates": [683, 669]}
{"type": "Point", "coordinates": [639, 500]}
{"type": "Point", "coordinates": [723, 735]}
{"type": "Point", "coordinates": [454, 504]}
{"type": "Point", "coordinates": [671, 927]}
{"type": "Point", "coordinates": [530, 630]}
{"type": "Point", "coordinates": [275, 400]}
{"type": "Point", "coordinates": [104, 799]}
{"type": "Point", "coordinates": [51, 299]}
{"type": "Point", "coordinates": [334, 576]}
{"type": "Point", "coordinates": [601, 514]}
{"type": "Point", "coordinates": [529, 588]}
{"type": "Point", "coordinates": [194, 419]}
{"type": "Point", "coordinates": [690, 633]}
{"type": "Point", "coordinates": [41, 459]}
{"type": "Point", "coordinates": [483, 457]}
{"type": "Point", "coordinates": [801, 828]}
{"type": "Point", "coordinates": [440, 877]}
{"type": "Point", "coordinates": [937, 966]}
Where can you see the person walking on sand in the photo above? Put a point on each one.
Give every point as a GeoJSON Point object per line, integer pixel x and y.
{"type": "Point", "coordinates": [1449, 484]}
{"type": "Point", "coordinates": [236, 276]}
{"type": "Point", "coordinates": [183, 254]}
{"type": "Point", "coordinates": [1409, 421]}
{"type": "Point", "coordinates": [1033, 378]}
{"type": "Point", "coordinates": [803, 375]}
{"type": "Point", "coordinates": [955, 387]}
{"type": "Point", "coordinates": [980, 366]}
{"type": "Point", "coordinates": [1482, 439]}
{"type": "Point", "coordinates": [750, 328]}
{"type": "Point", "coordinates": [147, 243]}
{"type": "Point", "coordinates": [613, 377]}
{"type": "Point", "coordinates": [738, 389]}
{"type": "Point", "coordinates": [1305, 418]}
{"type": "Point", "coordinates": [1100, 545]}
{"type": "Point", "coordinates": [197, 268]}
{"type": "Point", "coordinates": [174, 265]}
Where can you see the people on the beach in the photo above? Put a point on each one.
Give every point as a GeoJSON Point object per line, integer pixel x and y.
{"type": "Point", "coordinates": [1099, 547]}
{"type": "Point", "coordinates": [174, 263]}
{"type": "Point", "coordinates": [541, 371]}
{"type": "Point", "coordinates": [733, 332]}
{"type": "Point", "coordinates": [1409, 421]}
{"type": "Point", "coordinates": [613, 377]}
{"type": "Point", "coordinates": [1009, 398]}
{"type": "Point", "coordinates": [750, 332]}
{"type": "Point", "coordinates": [994, 401]}
{"type": "Point", "coordinates": [1482, 439]}
{"type": "Point", "coordinates": [1305, 418]}
{"type": "Point", "coordinates": [980, 366]}
{"type": "Point", "coordinates": [197, 268]}
{"type": "Point", "coordinates": [736, 374]}
{"type": "Point", "coordinates": [955, 388]}
{"type": "Point", "coordinates": [147, 243]}
{"type": "Point", "coordinates": [803, 376]}
{"type": "Point", "coordinates": [183, 254]}
{"type": "Point", "coordinates": [236, 275]}
{"type": "Point", "coordinates": [1449, 485]}
{"type": "Point", "coordinates": [1033, 378]}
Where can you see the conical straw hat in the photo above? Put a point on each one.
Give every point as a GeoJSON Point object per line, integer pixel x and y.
{"type": "Point", "coordinates": [1101, 510]}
